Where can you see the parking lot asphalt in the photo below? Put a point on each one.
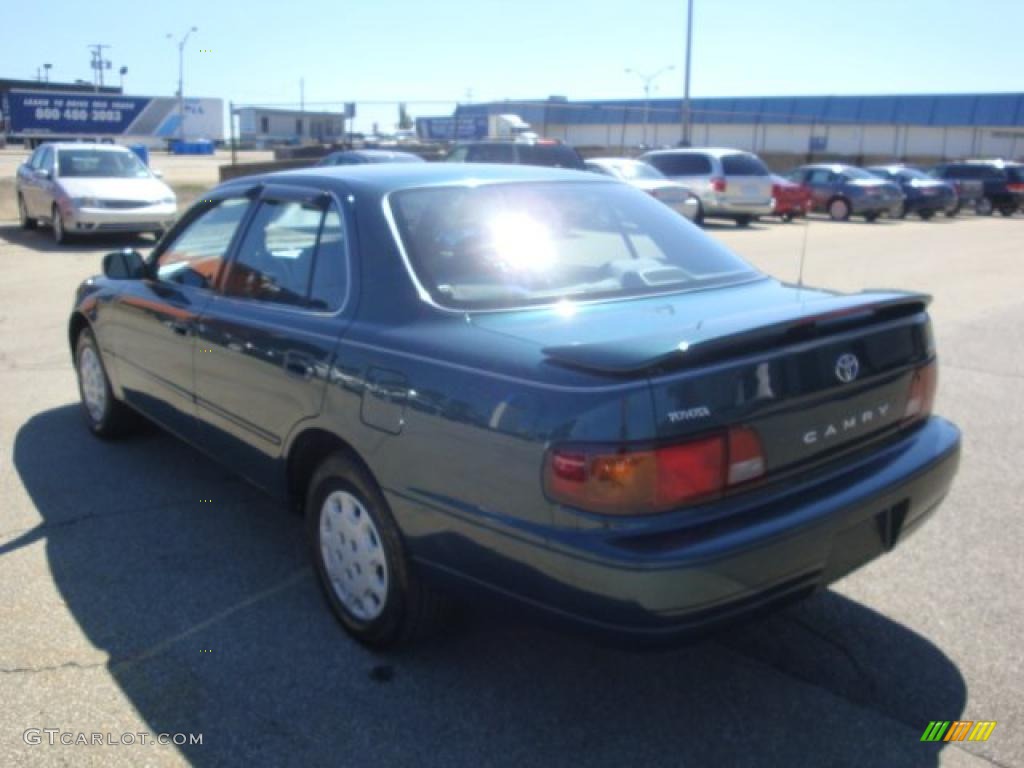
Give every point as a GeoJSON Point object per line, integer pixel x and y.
{"type": "Point", "coordinates": [129, 605]}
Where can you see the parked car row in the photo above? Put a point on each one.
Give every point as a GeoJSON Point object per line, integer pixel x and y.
{"type": "Point", "coordinates": [94, 189]}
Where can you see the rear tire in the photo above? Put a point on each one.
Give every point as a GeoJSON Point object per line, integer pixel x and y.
{"type": "Point", "coordinates": [699, 218]}
{"type": "Point", "coordinates": [871, 217]}
{"type": "Point", "coordinates": [839, 209]}
{"type": "Point", "coordinates": [788, 217]}
{"type": "Point", "coordinates": [743, 221]}
{"type": "Point", "coordinates": [952, 212]}
{"type": "Point", "coordinates": [925, 214]}
{"type": "Point", "coordinates": [26, 221]}
{"type": "Point", "coordinates": [360, 559]}
{"type": "Point", "coordinates": [1008, 210]}
{"type": "Point", "coordinates": [984, 206]}
{"type": "Point", "coordinates": [105, 415]}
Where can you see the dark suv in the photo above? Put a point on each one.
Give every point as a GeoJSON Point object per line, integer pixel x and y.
{"type": "Point", "coordinates": [546, 152]}
{"type": "Point", "coordinates": [1002, 183]}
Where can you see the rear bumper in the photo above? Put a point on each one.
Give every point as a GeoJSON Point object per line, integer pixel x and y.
{"type": "Point", "coordinates": [715, 205]}
{"type": "Point", "coordinates": [777, 548]}
{"type": "Point", "coordinates": [639, 586]}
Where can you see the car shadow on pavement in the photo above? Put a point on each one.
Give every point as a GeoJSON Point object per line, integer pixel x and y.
{"type": "Point", "coordinates": [198, 588]}
{"type": "Point", "coordinates": [41, 239]}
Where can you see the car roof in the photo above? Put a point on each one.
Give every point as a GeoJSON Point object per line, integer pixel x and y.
{"type": "Point", "coordinates": [613, 160]}
{"type": "Point", "coordinates": [828, 166]}
{"type": "Point", "coordinates": [382, 178]}
{"type": "Point", "coordinates": [85, 145]}
{"type": "Point", "coordinates": [371, 153]}
{"type": "Point", "coordinates": [713, 151]}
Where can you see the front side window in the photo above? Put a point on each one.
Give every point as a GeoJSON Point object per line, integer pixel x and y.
{"type": "Point", "coordinates": [293, 253]}
{"type": "Point", "coordinates": [196, 254]}
{"type": "Point", "coordinates": [521, 244]}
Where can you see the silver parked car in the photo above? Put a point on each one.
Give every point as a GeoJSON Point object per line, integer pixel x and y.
{"type": "Point", "coordinates": [650, 180]}
{"type": "Point", "coordinates": [729, 183]}
{"type": "Point", "coordinates": [81, 189]}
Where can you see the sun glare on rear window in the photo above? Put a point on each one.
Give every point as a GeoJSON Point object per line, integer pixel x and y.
{"type": "Point", "coordinates": [522, 244]}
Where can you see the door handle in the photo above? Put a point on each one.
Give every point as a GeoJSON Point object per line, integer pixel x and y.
{"type": "Point", "coordinates": [298, 364]}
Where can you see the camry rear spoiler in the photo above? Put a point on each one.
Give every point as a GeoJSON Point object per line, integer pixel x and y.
{"type": "Point", "coordinates": [737, 334]}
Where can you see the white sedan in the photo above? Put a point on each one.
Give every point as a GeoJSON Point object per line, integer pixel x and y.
{"type": "Point", "coordinates": [650, 180]}
{"type": "Point", "coordinates": [81, 189]}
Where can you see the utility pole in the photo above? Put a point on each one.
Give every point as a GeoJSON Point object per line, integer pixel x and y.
{"type": "Point", "coordinates": [181, 81]}
{"type": "Point", "coordinates": [46, 72]}
{"type": "Point", "coordinates": [98, 64]}
{"type": "Point", "coordinates": [647, 81]}
{"type": "Point", "coordinates": [687, 121]}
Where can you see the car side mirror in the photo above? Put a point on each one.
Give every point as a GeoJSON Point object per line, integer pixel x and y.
{"type": "Point", "coordinates": [126, 264]}
{"type": "Point", "coordinates": [42, 173]}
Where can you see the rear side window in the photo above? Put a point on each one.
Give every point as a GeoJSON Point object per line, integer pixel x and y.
{"type": "Point", "coordinates": [681, 165]}
{"type": "Point", "coordinates": [743, 165]}
{"type": "Point", "coordinates": [551, 155]}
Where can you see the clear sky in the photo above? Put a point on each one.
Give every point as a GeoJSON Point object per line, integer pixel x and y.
{"type": "Point", "coordinates": [422, 51]}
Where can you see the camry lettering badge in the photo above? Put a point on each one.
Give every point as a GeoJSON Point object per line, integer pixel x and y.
{"type": "Point", "coordinates": [847, 368]}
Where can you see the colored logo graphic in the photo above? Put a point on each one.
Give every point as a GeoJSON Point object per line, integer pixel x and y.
{"type": "Point", "coordinates": [958, 730]}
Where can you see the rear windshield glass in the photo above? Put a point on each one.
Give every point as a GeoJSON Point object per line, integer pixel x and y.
{"type": "Point", "coordinates": [858, 173]}
{"type": "Point", "coordinates": [680, 165]}
{"type": "Point", "coordinates": [553, 155]}
{"type": "Point", "coordinates": [521, 244]}
{"type": "Point", "coordinates": [743, 165]}
{"type": "Point", "coordinates": [100, 163]}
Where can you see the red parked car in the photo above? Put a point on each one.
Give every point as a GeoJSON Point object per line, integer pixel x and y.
{"type": "Point", "coordinates": [791, 199]}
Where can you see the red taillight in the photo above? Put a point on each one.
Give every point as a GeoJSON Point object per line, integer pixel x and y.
{"type": "Point", "coordinates": [629, 481]}
{"type": "Point", "coordinates": [1016, 188]}
{"type": "Point", "coordinates": [718, 184]}
{"type": "Point", "coordinates": [922, 392]}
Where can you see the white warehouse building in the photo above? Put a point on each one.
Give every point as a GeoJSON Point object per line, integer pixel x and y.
{"type": "Point", "coordinates": [917, 127]}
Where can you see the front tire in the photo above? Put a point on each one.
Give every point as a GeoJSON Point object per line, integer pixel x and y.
{"type": "Point", "coordinates": [925, 214]}
{"type": "Point", "coordinates": [871, 217]}
{"type": "Point", "coordinates": [60, 235]}
{"type": "Point", "coordinates": [360, 559]}
{"type": "Point", "coordinates": [105, 415]}
{"type": "Point", "coordinates": [26, 221]}
{"type": "Point", "coordinates": [1008, 210]}
{"type": "Point", "coordinates": [743, 221]}
{"type": "Point", "coordinates": [839, 209]}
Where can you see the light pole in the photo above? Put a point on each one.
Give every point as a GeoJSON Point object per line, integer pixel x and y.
{"type": "Point", "coordinates": [181, 81]}
{"type": "Point", "coordinates": [46, 71]}
{"type": "Point", "coordinates": [686, 77]}
{"type": "Point", "coordinates": [123, 71]}
{"type": "Point", "coordinates": [648, 80]}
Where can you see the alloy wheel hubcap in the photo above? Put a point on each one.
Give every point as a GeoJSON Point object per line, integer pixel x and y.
{"type": "Point", "coordinates": [353, 555]}
{"type": "Point", "coordinates": [94, 389]}
{"type": "Point", "coordinates": [839, 209]}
